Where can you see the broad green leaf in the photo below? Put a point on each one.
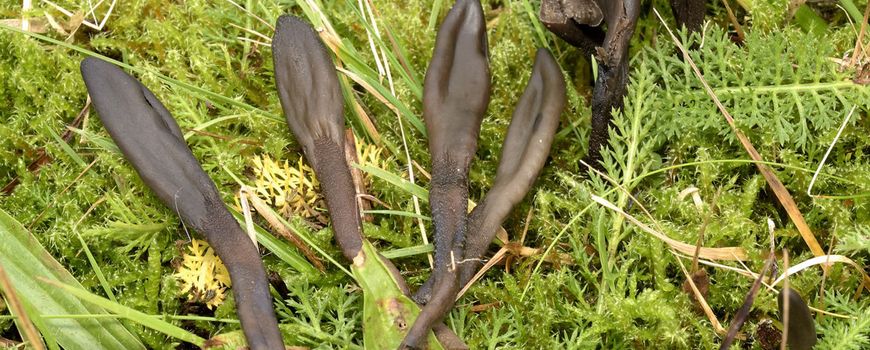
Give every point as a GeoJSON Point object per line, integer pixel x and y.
{"type": "Point", "coordinates": [387, 312]}
{"type": "Point", "coordinates": [25, 261]}
{"type": "Point", "coordinates": [131, 314]}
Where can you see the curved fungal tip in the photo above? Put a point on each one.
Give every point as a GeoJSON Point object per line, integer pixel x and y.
{"type": "Point", "coordinates": [307, 83]}
{"type": "Point", "coordinates": [457, 85]}
{"type": "Point", "coordinates": [524, 153]}
{"type": "Point", "coordinates": [801, 326]}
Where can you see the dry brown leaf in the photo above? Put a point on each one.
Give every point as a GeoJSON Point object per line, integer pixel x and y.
{"type": "Point", "coordinates": [727, 253]}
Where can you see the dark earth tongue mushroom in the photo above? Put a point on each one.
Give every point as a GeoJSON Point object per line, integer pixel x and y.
{"type": "Point", "coordinates": [150, 139]}
{"type": "Point", "coordinates": [311, 98]}
{"type": "Point", "coordinates": [525, 150]}
{"type": "Point", "coordinates": [456, 94]}
{"type": "Point", "coordinates": [801, 326]}
{"type": "Point", "coordinates": [578, 22]}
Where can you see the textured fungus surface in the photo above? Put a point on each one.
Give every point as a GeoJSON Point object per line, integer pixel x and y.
{"type": "Point", "coordinates": [312, 102]}
{"type": "Point", "coordinates": [455, 98]}
{"type": "Point", "coordinates": [456, 93]}
{"type": "Point", "coordinates": [150, 139]}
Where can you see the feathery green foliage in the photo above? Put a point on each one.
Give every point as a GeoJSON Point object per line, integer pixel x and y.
{"type": "Point", "coordinates": [622, 288]}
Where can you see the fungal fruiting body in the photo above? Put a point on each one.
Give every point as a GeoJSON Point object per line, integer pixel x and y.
{"type": "Point", "coordinates": [456, 94]}
{"type": "Point", "coordinates": [311, 98]}
{"type": "Point", "coordinates": [801, 326]}
{"type": "Point", "coordinates": [523, 154]}
{"type": "Point", "coordinates": [455, 97]}
{"type": "Point", "coordinates": [151, 140]}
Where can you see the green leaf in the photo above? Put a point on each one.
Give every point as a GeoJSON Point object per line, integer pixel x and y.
{"type": "Point", "coordinates": [25, 260]}
{"type": "Point", "coordinates": [139, 317]}
{"type": "Point", "coordinates": [395, 180]}
{"type": "Point", "coordinates": [387, 312]}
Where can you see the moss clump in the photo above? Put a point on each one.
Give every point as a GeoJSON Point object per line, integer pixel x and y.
{"type": "Point", "coordinates": [622, 288]}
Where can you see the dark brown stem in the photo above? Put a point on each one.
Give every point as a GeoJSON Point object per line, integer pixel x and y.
{"type": "Point", "coordinates": [337, 186]}
{"type": "Point", "coordinates": [743, 313]}
{"type": "Point", "coordinates": [311, 98]}
{"type": "Point", "coordinates": [689, 13]}
{"type": "Point", "coordinates": [569, 20]}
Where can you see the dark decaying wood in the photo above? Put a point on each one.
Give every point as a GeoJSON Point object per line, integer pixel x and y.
{"type": "Point", "coordinates": [580, 23]}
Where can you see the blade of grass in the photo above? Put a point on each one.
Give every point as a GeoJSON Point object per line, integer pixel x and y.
{"type": "Point", "coordinates": [97, 270]}
{"type": "Point", "coordinates": [25, 326]}
{"type": "Point", "coordinates": [67, 149]}
{"type": "Point", "coordinates": [409, 251]}
{"type": "Point", "coordinates": [433, 14]}
{"type": "Point", "coordinates": [24, 259]}
{"type": "Point", "coordinates": [281, 249]}
{"type": "Point", "coordinates": [398, 213]}
{"type": "Point", "coordinates": [140, 318]}
{"type": "Point", "coordinates": [395, 180]}
{"type": "Point", "coordinates": [539, 30]}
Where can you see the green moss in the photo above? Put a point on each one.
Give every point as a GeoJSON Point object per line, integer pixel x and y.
{"type": "Point", "coordinates": [623, 289]}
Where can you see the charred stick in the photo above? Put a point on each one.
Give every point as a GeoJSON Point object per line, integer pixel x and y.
{"type": "Point", "coordinates": [579, 23]}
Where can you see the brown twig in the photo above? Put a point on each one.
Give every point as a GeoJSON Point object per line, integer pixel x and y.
{"type": "Point", "coordinates": [285, 231]}
{"type": "Point", "coordinates": [737, 27]}
{"type": "Point", "coordinates": [859, 45]}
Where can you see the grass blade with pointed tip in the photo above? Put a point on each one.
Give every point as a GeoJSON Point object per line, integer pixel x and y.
{"type": "Point", "coordinates": [24, 258]}
{"type": "Point", "coordinates": [128, 313]}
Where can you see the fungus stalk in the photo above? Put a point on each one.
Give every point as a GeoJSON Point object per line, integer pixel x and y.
{"type": "Point", "coordinates": [311, 98]}
{"type": "Point", "coordinates": [151, 140]}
